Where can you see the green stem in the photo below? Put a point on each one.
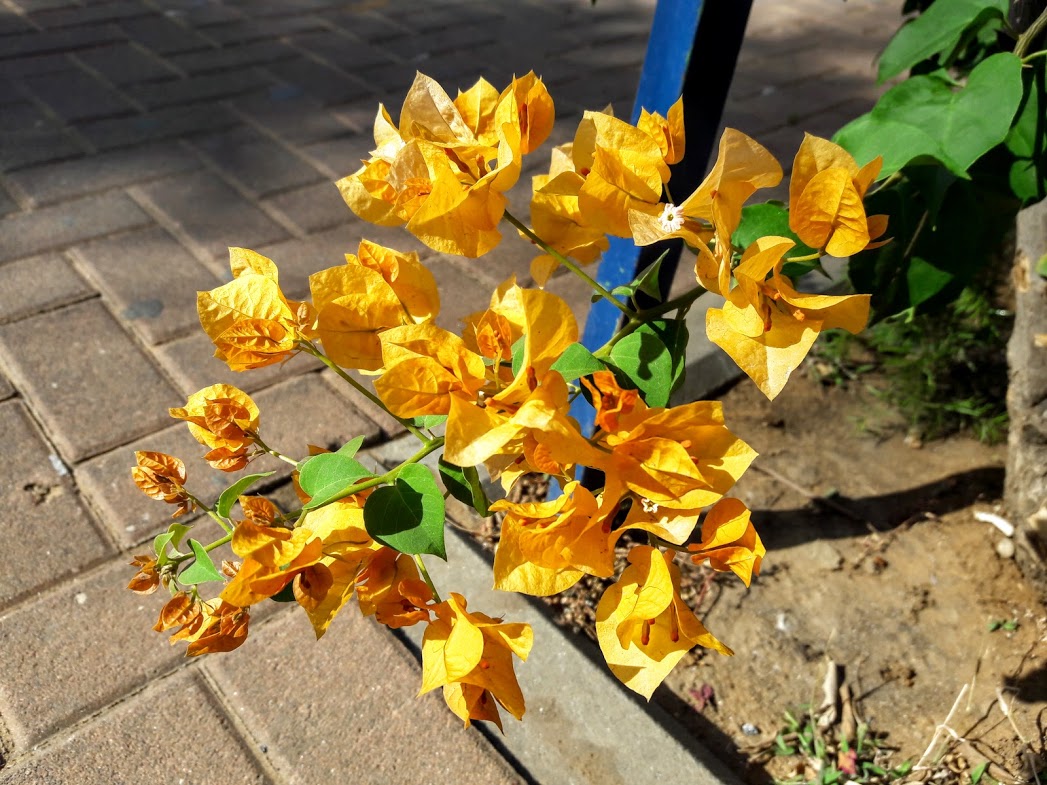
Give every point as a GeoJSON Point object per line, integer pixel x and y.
{"type": "Point", "coordinates": [681, 301]}
{"type": "Point", "coordinates": [808, 258]}
{"type": "Point", "coordinates": [574, 268]}
{"type": "Point", "coordinates": [309, 348]}
{"type": "Point", "coordinates": [1029, 58]}
{"type": "Point", "coordinates": [207, 548]}
{"type": "Point", "coordinates": [266, 448]}
{"type": "Point", "coordinates": [209, 510]}
{"type": "Point", "coordinates": [425, 576]}
{"type": "Point", "coordinates": [1031, 34]}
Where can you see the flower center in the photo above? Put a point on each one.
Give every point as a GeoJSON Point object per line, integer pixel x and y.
{"type": "Point", "coordinates": [671, 219]}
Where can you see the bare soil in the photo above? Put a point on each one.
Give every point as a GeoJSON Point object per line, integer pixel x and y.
{"type": "Point", "coordinates": [876, 564]}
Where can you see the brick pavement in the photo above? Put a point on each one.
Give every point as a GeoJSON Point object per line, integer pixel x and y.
{"type": "Point", "coordinates": [138, 139]}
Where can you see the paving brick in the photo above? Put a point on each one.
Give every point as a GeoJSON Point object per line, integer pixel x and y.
{"type": "Point", "coordinates": [287, 111]}
{"type": "Point", "coordinates": [248, 30]}
{"type": "Point", "coordinates": [29, 6]}
{"type": "Point", "coordinates": [298, 259]}
{"type": "Point", "coordinates": [91, 385]}
{"type": "Point", "coordinates": [63, 40]}
{"type": "Point", "coordinates": [211, 213]}
{"type": "Point", "coordinates": [258, 163]}
{"type": "Point", "coordinates": [31, 64]}
{"type": "Point", "coordinates": [343, 155]}
{"type": "Point", "coordinates": [234, 56]}
{"type": "Point", "coordinates": [163, 36]}
{"type": "Point", "coordinates": [294, 414]}
{"type": "Point", "coordinates": [345, 51]}
{"type": "Point", "coordinates": [126, 63]}
{"type": "Point", "coordinates": [40, 283]}
{"type": "Point", "coordinates": [162, 124]}
{"type": "Point", "coordinates": [375, 698]}
{"type": "Point", "coordinates": [314, 208]}
{"type": "Point", "coordinates": [385, 421]}
{"type": "Point", "coordinates": [71, 16]}
{"type": "Point", "coordinates": [80, 675]}
{"type": "Point", "coordinates": [24, 234]}
{"type": "Point", "coordinates": [321, 82]}
{"type": "Point", "coordinates": [7, 204]}
{"type": "Point", "coordinates": [198, 88]}
{"type": "Point", "coordinates": [197, 748]}
{"type": "Point", "coordinates": [150, 281]}
{"type": "Point", "coordinates": [55, 182]}
{"type": "Point", "coordinates": [47, 534]}
{"type": "Point", "coordinates": [27, 136]}
{"type": "Point", "coordinates": [197, 14]}
{"type": "Point", "coordinates": [191, 363]}
{"type": "Point", "coordinates": [366, 25]}
{"type": "Point", "coordinates": [6, 388]}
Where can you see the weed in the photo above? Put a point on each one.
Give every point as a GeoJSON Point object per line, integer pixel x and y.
{"type": "Point", "coordinates": [942, 372]}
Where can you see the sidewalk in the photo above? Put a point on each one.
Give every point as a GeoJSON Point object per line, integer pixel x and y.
{"type": "Point", "coordinates": [139, 139]}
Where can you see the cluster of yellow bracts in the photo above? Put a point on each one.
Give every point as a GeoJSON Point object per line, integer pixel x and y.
{"type": "Point", "coordinates": [442, 172]}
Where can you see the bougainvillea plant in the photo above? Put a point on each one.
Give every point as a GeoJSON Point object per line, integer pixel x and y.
{"type": "Point", "coordinates": [497, 394]}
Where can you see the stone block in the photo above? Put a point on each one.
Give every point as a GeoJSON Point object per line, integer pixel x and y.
{"type": "Point", "coordinates": [345, 51]}
{"type": "Point", "coordinates": [75, 95]}
{"type": "Point", "coordinates": [191, 363]}
{"type": "Point", "coordinates": [233, 56]}
{"type": "Point", "coordinates": [164, 36]}
{"type": "Point", "coordinates": [294, 414]}
{"type": "Point", "coordinates": [57, 182]}
{"type": "Point", "coordinates": [90, 383]}
{"type": "Point", "coordinates": [28, 136]}
{"type": "Point", "coordinates": [72, 16]}
{"type": "Point", "coordinates": [6, 390]}
{"type": "Point", "coordinates": [126, 63]}
{"type": "Point", "coordinates": [177, 121]}
{"type": "Point", "coordinates": [374, 705]}
{"type": "Point", "coordinates": [63, 40]}
{"type": "Point", "coordinates": [25, 234]}
{"type": "Point", "coordinates": [288, 112]}
{"type": "Point", "coordinates": [195, 89]}
{"type": "Point", "coordinates": [257, 29]}
{"type": "Point", "coordinates": [259, 164]}
{"type": "Point", "coordinates": [298, 259]}
{"type": "Point", "coordinates": [211, 213]}
{"type": "Point", "coordinates": [38, 284]}
{"type": "Point", "coordinates": [321, 82]}
{"type": "Point", "coordinates": [136, 742]}
{"type": "Point", "coordinates": [343, 155]}
{"type": "Point", "coordinates": [47, 535]}
{"type": "Point", "coordinates": [314, 208]}
{"type": "Point", "coordinates": [150, 281]}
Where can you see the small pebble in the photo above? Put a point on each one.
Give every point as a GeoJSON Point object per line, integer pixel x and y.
{"type": "Point", "coordinates": [80, 597]}
{"type": "Point", "coordinates": [1005, 549]}
{"type": "Point", "coordinates": [750, 730]}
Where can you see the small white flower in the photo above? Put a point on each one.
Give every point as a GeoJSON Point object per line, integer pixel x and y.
{"type": "Point", "coordinates": [648, 505]}
{"type": "Point", "coordinates": [671, 218]}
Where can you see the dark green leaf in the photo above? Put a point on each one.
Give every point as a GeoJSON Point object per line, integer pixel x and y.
{"type": "Point", "coordinates": [234, 491]}
{"type": "Point", "coordinates": [408, 515]}
{"type": "Point", "coordinates": [924, 117]}
{"type": "Point", "coordinates": [939, 30]}
{"type": "Point", "coordinates": [651, 360]}
{"type": "Point", "coordinates": [576, 361]}
{"type": "Point", "coordinates": [925, 280]}
{"type": "Point", "coordinates": [200, 571]}
{"type": "Point", "coordinates": [327, 476]}
{"type": "Point", "coordinates": [464, 484]}
{"type": "Point", "coordinates": [772, 219]}
{"type": "Point", "coordinates": [286, 594]}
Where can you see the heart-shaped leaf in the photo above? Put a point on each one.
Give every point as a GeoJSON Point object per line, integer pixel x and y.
{"type": "Point", "coordinates": [234, 491]}
{"type": "Point", "coordinates": [200, 571]}
{"type": "Point", "coordinates": [576, 361]}
{"type": "Point", "coordinates": [925, 116]}
{"type": "Point", "coordinates": [651, 360]}
{"type": "Point", "coordinates": [326, 477]}
{"type": "Point", "coordinates": [463, 483]}
{"type": "Point", "coordinates": [173, 538]}
{"type": "Point", "coordinates": [351, 447]}
{"type": "Point", "coordinates": [408, 515]}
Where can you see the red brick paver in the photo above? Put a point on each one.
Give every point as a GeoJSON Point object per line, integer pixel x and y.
{"type": "Point", "coordinates": [139, 139]}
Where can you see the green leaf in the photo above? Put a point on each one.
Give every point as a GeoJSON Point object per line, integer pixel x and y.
{"type": "Point", "coordinates": [172, 537]}
{"type": "Point", "coordinates": [1041, 266]}
{"type": "Point", "coordinates": [286, 594]}
{"type": "Point", "coordinates": [464, 484]}
{"type": "Point", "coordinates": [938, 31]}
{"type": "Point", "coordinates": [925, 280]}
{"type": "Point", "coordinates": [408, 515]}
{"type": "Point", "coordinates": [351, 447]}
{"type": "Point", "coordinates": [651, 360]}
{"type": "Point", "coordinates": [327, 476]}
{"type": "Point", "coordinates": [518, 353]}
{"type": "Point", "coordinates": [234, 491]}
{"type": "Point", "coordinates": [1027, 139]}
{"type": "Point", "coordinates": [428, 420]}
{"type": "Point", "coordinates": [200, 571]}
{"type": "Point", "coordinates": [772, 219]}
{"type": "Point", "coordinates": [576, 361]}
{"type": "Point", "coordinates": [978, 771]}
{"type": "Point", "coordinates": [924, 117]}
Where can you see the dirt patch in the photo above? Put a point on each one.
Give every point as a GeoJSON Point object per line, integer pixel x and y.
{"type": "Point", "coordinates": [876, 563]}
